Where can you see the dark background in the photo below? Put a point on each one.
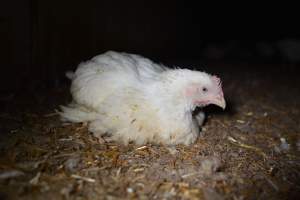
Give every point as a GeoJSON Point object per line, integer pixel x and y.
{"type": "Point", "coordinates": [40, 40]}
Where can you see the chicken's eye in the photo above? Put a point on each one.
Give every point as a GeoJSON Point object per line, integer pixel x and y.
{"type": "Point", "coordinates": [204, 89]}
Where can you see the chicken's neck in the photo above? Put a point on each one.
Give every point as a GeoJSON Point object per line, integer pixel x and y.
{"type": "Point", "coordinates": [171, 104]}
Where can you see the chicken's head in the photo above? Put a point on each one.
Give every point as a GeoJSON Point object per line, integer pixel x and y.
{"type": "Point", "coordinates": [203, 89]}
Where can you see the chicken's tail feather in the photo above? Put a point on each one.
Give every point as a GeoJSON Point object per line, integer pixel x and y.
{"type": "Point", "coordinates": [75, 113]}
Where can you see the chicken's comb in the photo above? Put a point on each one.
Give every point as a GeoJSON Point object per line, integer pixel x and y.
{"type": "Point", "coordinates": [218, 82]}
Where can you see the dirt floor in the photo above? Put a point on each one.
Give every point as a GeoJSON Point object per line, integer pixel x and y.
{"type": "Point", "coordinates": [249, 151]}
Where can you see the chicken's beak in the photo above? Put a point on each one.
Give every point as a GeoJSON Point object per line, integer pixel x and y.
{"type": "Point", "coordinates": [219, 101]}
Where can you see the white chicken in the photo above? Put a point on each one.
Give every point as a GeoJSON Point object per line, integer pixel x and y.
{"type": "Point", "coordinates": [132, 98]}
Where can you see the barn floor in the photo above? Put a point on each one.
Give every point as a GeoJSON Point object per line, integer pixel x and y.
{"type": "Point", "coordinates": [249, 151]}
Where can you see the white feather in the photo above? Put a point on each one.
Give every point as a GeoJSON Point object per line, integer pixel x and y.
{"type": "Point", "coordinates": [133, 99]}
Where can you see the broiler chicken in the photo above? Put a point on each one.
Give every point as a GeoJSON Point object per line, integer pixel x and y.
{"type": "Point", "coordinates": [132, 98]}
